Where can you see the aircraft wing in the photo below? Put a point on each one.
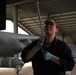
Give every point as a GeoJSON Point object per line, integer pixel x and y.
{"type": "Point", "coordinates": [21, 36]}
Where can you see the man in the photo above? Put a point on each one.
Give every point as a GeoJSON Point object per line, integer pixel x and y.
{"type": "Point", "coordinates": [49, 55]}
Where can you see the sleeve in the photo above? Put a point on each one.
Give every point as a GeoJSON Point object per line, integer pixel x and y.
{"type": "Point", "coordinates": [26, 50]}
{"type": "Point", "coordinates": [67, 60]}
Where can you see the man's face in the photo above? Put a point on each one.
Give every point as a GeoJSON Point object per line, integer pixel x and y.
{"type": "Point", "coordinates": [50, 27]}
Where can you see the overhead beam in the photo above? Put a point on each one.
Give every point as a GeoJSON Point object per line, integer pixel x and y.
{"type": "Point", "coordinates": [17, 2]}
{"type": "Point", "coordinates": [26, 27]}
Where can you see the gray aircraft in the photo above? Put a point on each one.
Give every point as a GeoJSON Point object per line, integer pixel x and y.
{"type": "Point", "coordinates": [10, 45]}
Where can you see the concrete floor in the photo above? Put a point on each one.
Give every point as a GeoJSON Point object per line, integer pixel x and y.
{"type": "Point", "coordinates": [27, 70]}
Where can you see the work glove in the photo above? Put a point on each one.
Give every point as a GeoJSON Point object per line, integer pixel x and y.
{"type": "Point", "coordinates": [48, 56]}
{"type": "Point", "coordinates": [39, 43]}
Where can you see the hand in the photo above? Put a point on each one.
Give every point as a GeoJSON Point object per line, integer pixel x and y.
{"type": "Point", "coordinates": [39, 43]}
{"type": "Point", "coordinates": [48, 56]}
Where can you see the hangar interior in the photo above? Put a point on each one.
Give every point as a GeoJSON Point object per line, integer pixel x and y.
{"type": "Point", "coordinates": [30, 16]}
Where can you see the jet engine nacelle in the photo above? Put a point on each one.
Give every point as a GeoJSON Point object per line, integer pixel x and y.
{"type": "Point", "coordinates": [9, 45]}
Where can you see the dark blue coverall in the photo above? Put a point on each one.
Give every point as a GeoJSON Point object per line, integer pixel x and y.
{"type": "Point", "coordinates": [43, 67]}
